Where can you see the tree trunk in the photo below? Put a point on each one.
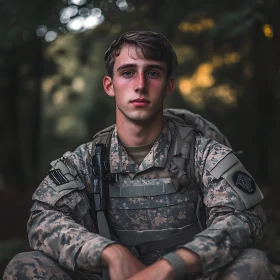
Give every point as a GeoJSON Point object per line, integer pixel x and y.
{"type": "Point", "coordinates": [20, 116]}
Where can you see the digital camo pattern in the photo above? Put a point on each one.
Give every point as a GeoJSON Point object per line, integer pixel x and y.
{"type": "Point", "coordinates": [251, 264]}
{"type": "Point", "coordinates": [61, 226]}
{"type": "Point", "coordinates": [37, 266]}
{"type": "Point", "coordinates": [231, 227]}
{"type": "Point", "coordinates": [121, 162]}
{"type": "Point", "coordinates": [209, 130]}
{"type": "Point", "coordinates": [205, 127]}
{"type": "Point", "coordinates": [34, 265]}
{"type": "Point", "coordinates": [150, 216]}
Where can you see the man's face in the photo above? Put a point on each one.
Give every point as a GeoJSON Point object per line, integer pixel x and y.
{"type": "Point", "coordinates": [139, 86]}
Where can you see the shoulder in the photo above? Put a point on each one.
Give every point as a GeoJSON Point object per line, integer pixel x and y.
{"type": "Point", "coordinates": [103, 134]}
{"type": "Point", "coordinates": [198, 123]}
{"type": "Point", "coordinates": [225, 180]}
{"type": "Point", "coordinates": [81, 152]}
{"type": "Point", "coordinates": [209, 152]}
{"type": "Point", "coordinates": [67, 173]}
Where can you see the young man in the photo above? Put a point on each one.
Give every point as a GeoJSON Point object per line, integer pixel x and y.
{"type": "Point", "coordinates": [159, 169]}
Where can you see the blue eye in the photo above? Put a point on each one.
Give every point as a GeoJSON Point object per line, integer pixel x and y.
{"type": "Point", "coordinates": [153, 74]}
{"type": "Point", "coordinates": [127, 74]}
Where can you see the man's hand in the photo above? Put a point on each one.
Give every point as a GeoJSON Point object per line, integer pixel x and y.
{"type": "Point", "coordinates": [121, 263]}
{"type": "Point", "coordinates": [163, 270]}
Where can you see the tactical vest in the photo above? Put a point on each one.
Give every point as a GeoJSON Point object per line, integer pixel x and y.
{"type": "Point", "coordinates": [155, 215]}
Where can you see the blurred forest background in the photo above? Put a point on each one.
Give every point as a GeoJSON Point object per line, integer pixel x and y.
{"type": "Point", "coordinates": [52, 100]}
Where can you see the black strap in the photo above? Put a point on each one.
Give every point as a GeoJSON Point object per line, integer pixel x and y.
{"type": "Point", "coordinates": [184, 236]}
{"type": "Point", "coordinates": [103, 228]}
{"type": "Point", "coordinates": [178, 264]}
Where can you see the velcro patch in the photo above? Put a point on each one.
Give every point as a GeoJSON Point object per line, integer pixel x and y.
{"type": "Point", "coordinates": [57, 177]}
{"type": "Point", "coordinates": [244, 182]}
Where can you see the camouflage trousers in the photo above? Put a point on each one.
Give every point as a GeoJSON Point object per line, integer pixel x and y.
{"type": "Point", "coordinates": [251, 264]}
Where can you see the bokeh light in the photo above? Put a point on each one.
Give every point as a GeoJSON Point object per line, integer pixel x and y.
{"type": "Point", "coordinates": [124, 5]}
{"type": "Point", "coordinates": [201, 86]}
{"type": "Point", "coordinates": [268, 31]}
{"type": "Point", "coordinates": [50, 36]}
{"type": "Point", "coordinates": [88, 18]}
{"type": "Point", "coordinates": [96, 12]}
{"type": "Point", "coordinates": [41, 30]}
{"type": "Point", "coordinates": [84, 11]}
{"type": "Point", "coordinates": [92, 21]}
{"type": "Point", "coordinates": [67, 13]}
{"type": "Point", "coordinates": [76, 24]}
{"type": "Point", "coordinates": [78, 84]}
{"type": "Point", "coordinates": [79, 17]}
{"type": "Point", "coordinates": [77, 2]}
{"type": "Point", "coordinates": [197, 26]}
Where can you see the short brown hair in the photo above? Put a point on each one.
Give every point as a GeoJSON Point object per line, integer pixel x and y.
{"type": "Point", "coordinates": [147, 44]}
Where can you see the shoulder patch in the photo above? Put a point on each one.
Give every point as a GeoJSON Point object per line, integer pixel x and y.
{"type": "Point", "coordinates": [57, 177]}
{"type": "Point", "coordinates": [244, 182]}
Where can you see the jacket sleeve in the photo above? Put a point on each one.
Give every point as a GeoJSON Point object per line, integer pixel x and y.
{"type": "Point", "coordinates": [61, 224]}
{"type": "Point", "coordinates": [232, 199]}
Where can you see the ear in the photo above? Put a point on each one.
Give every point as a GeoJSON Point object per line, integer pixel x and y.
{"type": "Point", "coordinates": [170, 86]}
{"type": "Point", "coordinates": [108, 86]}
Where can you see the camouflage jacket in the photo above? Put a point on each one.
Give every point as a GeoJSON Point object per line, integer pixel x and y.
{"type": "Point", "coordinates": [63, 226]}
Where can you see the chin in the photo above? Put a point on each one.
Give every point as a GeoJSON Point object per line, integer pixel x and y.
{"type": "Point", "coordinates": [138, 117]}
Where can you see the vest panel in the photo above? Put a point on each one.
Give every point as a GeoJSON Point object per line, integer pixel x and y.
{"type": "Point", "coordinates": [144, 218]}
{"type": "Point", "coordinates": [154, 211]}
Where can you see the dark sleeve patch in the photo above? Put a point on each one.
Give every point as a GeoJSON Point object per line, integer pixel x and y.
{"type": "Point", "coordinates": [57, 177]}
{"type": "Point", "coordinates": [244, 182]}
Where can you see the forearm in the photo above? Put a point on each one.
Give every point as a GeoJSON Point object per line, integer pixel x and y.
{"type": "Point", "coordinates": [224, 239]}
{"type": "Point", "coordinates": [60, 237]}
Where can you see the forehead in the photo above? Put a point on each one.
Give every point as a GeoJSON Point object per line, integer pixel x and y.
{"type": "Point", "coordinates": [133, 55]}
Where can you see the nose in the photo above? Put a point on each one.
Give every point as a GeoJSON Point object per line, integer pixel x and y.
{"type": "Point", "coordinates": [140, 83]}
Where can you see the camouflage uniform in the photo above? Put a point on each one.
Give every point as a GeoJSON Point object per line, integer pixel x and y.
{"type": "Point", "coordinates": [63, 226]}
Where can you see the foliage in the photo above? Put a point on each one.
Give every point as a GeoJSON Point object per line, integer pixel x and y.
{"type": "Point", "coordinates": [213, 40]}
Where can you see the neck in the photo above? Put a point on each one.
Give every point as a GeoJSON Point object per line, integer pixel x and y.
{"type": "Point", "coordinates": [139, 133]}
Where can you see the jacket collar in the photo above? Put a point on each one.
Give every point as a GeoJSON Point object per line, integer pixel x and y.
{"type": "Point", "coordinates": [120, 161]}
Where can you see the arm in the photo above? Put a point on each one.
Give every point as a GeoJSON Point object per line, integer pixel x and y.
{"type": "Point", "coordinates": [233, 224]}
{"type": "Point", "coordinates": [235, 218]}
{"type": "Point", "coordinates": [60, 224]}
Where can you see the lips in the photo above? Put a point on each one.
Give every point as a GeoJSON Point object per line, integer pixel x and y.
{"type": "Point", "coordinates": [140, 100]}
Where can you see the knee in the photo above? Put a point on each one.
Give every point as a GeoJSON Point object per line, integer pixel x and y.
{"type": "Point", "coordinates": [251, 264]}
{"type": "Point", "coordinates": [255, 258]}
{"type": "Point", "coordinates": [15, 265]}
{"type": "Point", "coordinates": [25, 266]}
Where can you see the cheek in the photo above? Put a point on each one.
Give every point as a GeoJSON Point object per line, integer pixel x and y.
{"type": "Point", "coordinates": [122, 86]}
{"type": "Point", "coordinates": [158, 89]}
{"type": "Point", "coordinates": [160, 85]}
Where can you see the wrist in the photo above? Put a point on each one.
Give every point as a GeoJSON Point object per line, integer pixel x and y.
{"type": "Point", "coordinates": [191, 260]}
{"type": "Point", "coordinates": [166, 268]}
{"type": "Point", "coordinates": [179, 269]}
{"type": "Point", "coordinates": [111, 252]}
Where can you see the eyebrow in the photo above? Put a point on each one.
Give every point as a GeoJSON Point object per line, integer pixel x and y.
{"type": "Point", "coordinates": [131, 65]}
